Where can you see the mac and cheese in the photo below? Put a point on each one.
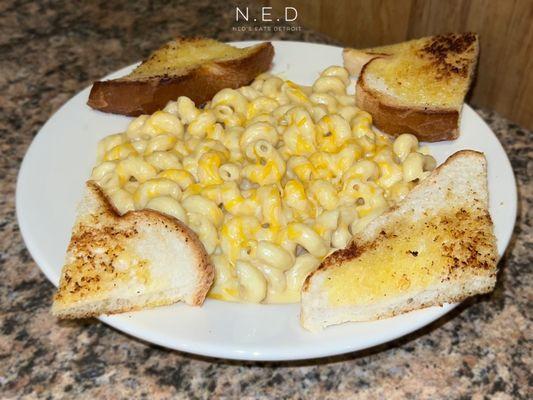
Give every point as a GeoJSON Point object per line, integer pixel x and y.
{"type": "Point", "coordinates": [272, 177]}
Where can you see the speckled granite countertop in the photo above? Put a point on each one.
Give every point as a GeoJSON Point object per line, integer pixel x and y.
{"type": "Point", "coordinates": [50, 51]}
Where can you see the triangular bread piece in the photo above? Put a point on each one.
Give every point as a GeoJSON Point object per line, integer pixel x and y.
{"type": "Point", "coordinates": [417, 86]}
{"type": "Point", "coordinates": [437, 246]}
{"type": "Point", "coordinates": [120, 263]}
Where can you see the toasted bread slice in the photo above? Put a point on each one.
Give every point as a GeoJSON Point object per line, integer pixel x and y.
{"type": "Point", "coordinates": [196, 68]}
{"type": "Point", "coordinates": [121, 263]}
{"type": "Point", "coordinates": [417, 86]}
{"type": "Point", "coordinates": [435, 247]}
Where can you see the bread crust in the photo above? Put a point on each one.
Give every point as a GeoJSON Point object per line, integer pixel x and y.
{"type": "Point", "coordinates": [428, 125]}
{"type": "Point", "coordinates": [132, 218]}
{"type": "Point", "coordinates": [136, 97]}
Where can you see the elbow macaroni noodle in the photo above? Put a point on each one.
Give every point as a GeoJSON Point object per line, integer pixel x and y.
{"type": "Point", "coordinates": [272, 177]}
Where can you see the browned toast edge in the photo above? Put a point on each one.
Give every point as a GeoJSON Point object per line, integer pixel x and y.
{"type": "Point", "coordinates": [428, 124]}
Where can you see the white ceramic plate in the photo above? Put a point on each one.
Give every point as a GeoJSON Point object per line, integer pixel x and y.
{"type": "Point", "coordinates": [51, 182]}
